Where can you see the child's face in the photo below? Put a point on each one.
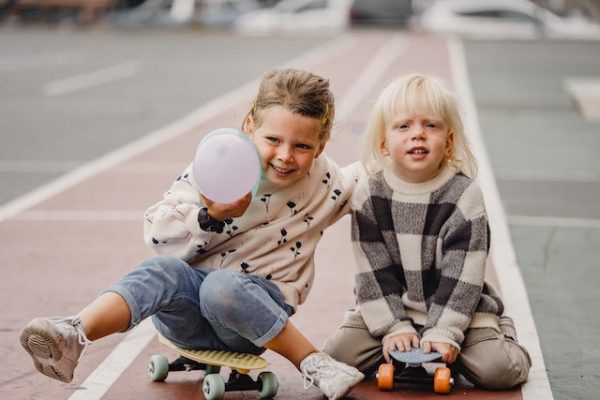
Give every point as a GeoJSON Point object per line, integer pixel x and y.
{"type": "Point", "coordinates": [416, 145]}
{"type": "Point", "coordinates": [287, 143]}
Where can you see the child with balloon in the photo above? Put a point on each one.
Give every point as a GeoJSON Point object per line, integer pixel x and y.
{"type": "Point", "coordinates": [228, 276]}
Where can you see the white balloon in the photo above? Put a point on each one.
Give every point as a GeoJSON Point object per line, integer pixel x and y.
{"type": "Point", "coordinates": [226, 166]}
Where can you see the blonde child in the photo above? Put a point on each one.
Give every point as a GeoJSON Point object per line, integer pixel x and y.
{"type": "Point", "coordinates": [420, 237]}
{"type": "Point", "coordinates": [230, 275]}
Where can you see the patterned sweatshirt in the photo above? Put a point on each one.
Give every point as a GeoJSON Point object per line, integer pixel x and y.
{"type": "Point", "coordinates": [421, 252]}
{"type": "Point", "coordinates": [275, 238]}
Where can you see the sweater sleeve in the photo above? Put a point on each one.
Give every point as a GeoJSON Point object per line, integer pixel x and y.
{"type": "Point", "coordinates": [344, 180]}
{"type": "Point", "coordinates": [464, 248]}
{"type": "Point", "coordinates": [172, 226]}
{"type": "Point", "coordinates": [379, 280]}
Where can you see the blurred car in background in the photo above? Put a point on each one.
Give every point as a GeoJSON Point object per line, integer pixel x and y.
{"type": "Point", "coordinates": [223, 13]}
{"type": "Point", "coordinates": [381, 12]}
{"type": "Point", "coordinates": [504, 19]}
{"type": "Point", "coordinates": [305, 16]}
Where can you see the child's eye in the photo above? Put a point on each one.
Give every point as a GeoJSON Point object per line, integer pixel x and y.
{"type": "Point", "coordinates": [271, 139]}
{"type": "Point", "coordinates": [304, 146]}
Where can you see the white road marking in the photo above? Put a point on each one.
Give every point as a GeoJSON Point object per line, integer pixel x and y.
{"type": "Point", "coordinates": [586, 93]}
{"type": "Point", "coordinates": [91, 79]}
{"type": "Point", "coordinates": [99, 381]}
{"type": "Point", "coordinates": [379, 63]}
{"type": "Point", "coordinates": [502, 251]}
{"type": "Point", "coordinates": [153, 139]}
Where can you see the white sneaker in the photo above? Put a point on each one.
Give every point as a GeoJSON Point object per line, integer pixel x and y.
{"type": "Point", "coordinates": [55, 345]}
{"type": "Point", "coordinates": [334, 378]}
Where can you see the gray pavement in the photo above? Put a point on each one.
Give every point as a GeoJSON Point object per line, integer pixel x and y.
{"type": "Point", "coordinates": [164, 76]}
{"type": "Point", "coordinates": [546, 158]}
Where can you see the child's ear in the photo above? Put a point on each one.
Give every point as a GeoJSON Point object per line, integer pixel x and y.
{"type": "Point", "coordinates": [449, 143]}
{"type": "Point", "coordinates": [383, 148]}
{"type": "Point", "coordinates": [320, 149]}
{"type": "Point", "coordinates": [248, 125]}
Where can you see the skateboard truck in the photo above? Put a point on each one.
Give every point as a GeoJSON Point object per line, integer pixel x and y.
{"type": "Point", "coordinates": [413, 371]}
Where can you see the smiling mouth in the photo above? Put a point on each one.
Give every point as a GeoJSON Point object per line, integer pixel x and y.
{"type": "Point", "coordinates": [281, 171]}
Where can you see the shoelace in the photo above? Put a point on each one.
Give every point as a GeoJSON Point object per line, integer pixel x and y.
{"type": "Point", "coordinates": [323, 367]}
{"type": "Point", "coordinates": [82, 339]}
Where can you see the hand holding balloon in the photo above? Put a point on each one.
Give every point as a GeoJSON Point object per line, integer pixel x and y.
{"type": "Point", "coordinates": [221, 212]}
{"type": "Point", "coordinates": [227, 170]}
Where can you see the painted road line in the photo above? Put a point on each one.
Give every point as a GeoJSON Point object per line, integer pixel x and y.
{"type": "Point", "coordinates": [368, 78]}
{"type": "Point", "coordinates": [502, 251]}
{"type": "Point", "coordinates": [98, 382]}
{"type": "Point", "coordinates": [558, 222]}
{"type": "Point", "coordinates": [586, 94]}
{"type": "Point", "coordinates": [119, 155]}
{"type": "Point", "coordinates": [91, 79]}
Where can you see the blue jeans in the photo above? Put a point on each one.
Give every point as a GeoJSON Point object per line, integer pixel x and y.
{"type": "Point", "coordinates": [199, 308]}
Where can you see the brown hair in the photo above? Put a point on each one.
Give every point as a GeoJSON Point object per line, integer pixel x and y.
{"type": "Point", "coordinates": [300, 92]}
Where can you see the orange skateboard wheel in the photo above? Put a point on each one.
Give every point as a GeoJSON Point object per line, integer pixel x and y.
{"type": "Point", "coordinates": [385, 377]}
{"type": "Point", "coordinates": [442, 381]}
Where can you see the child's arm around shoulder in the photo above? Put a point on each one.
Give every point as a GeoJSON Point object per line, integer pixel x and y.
{"type": "Point", "coordinates": [179, 224]}
{"type": "Point", "coordinates": [346, 179]}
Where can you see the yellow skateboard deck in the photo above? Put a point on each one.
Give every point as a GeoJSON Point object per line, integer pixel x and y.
{"type": "Point", "coordinates": [211, 361]}
{"type": "Point", "coordinates": [241, 362]}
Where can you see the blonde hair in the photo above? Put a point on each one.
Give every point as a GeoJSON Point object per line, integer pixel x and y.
{"type": "Point", "coordinates": [300, 92]}
{"type": "Point", "coordinates": [411, 94]}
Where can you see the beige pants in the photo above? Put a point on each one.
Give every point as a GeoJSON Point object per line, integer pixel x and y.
{"type": "Point", "coordinates": [488, 358]}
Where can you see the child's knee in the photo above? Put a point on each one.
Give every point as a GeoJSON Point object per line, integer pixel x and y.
{"type": "Point", "coordinates": [496, 363]}
{"type": "Point", "coordinates": [166, 265]}
{"type": "Point", "coordinates": [219, 288]}
{"type": "Point", "coordinates": [353, 344]}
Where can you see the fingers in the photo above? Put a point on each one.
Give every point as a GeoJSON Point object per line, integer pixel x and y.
{"type": "Point", "coordinates": [415, 342]}
{"type": "Point", "coordinates": [447, 351]}
{"type": "Point", "coordinates": [426, 347]}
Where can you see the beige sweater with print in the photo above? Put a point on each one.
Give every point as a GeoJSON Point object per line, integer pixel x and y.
{"type": "Point", "coordinates": [275, 238]}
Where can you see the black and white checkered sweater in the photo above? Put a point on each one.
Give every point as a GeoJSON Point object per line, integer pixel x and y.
{"type": "Point", "coordinates": [420, 253]}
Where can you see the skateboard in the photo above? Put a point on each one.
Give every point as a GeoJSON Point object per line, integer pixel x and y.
{"type": "Point", "coordinates": [211, 361]}
{"type": "Point", "coordinates": [412, 371]}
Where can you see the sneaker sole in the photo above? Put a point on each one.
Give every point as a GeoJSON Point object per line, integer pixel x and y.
{"type": "Point", "coordinates": [44, 349]}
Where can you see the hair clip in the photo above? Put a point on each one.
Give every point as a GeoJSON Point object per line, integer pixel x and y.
{"type": "Point", "coordinates": [325, 115]}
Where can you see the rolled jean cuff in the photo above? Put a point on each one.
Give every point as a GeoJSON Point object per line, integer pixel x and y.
{"type": "Point", "coordinates": [136, 315]}
{"type": "Point", "coordinates": [273, 332]}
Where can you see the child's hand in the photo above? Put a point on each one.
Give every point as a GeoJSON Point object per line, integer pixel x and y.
{"type": "Point", "coordinates": [400, 342]}
{"type": "Point", "coordinates": [221, 212]}
{"type": "Point", "coordinates": [448, 352]}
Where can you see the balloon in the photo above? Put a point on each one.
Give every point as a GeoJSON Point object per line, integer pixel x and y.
{"type": "Point", "coordinates": [226, 166]}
